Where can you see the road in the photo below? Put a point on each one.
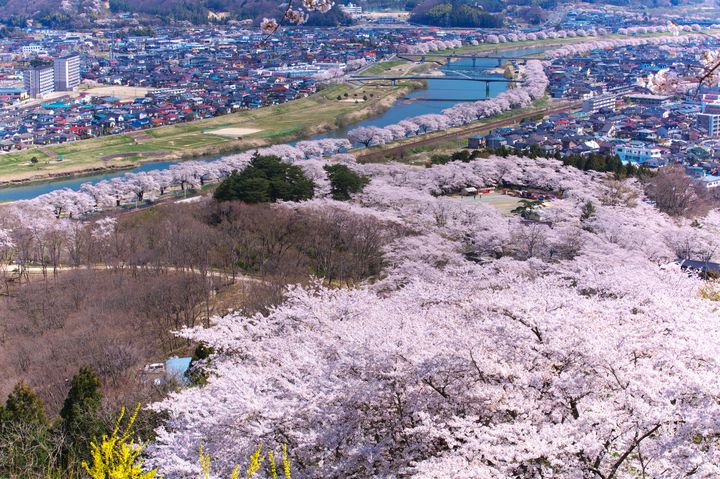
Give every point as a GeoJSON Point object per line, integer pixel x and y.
{"type": "Point", "coordinates": [369, 155]}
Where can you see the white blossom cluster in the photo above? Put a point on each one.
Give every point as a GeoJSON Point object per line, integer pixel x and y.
{"type": "Point", "coordinates": [428, 47]}
{"type": "Point", "coordinates": [135, 187]}
{"type": "Point", "coordinates": [571, 350]}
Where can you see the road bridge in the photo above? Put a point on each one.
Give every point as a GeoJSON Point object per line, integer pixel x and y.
{"type": "Point", "coordinates": [394, 79]}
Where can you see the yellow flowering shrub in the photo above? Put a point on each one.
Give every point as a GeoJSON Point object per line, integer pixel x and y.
{"type": "Point", "coordinates": [117, 456]}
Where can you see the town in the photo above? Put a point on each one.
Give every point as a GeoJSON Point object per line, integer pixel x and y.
{"type": "Point", "coordinates": [380, 239]}
{"type": "Point", "coordinates": [619, 116]}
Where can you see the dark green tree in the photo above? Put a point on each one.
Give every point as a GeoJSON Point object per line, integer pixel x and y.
{"type": "Point", "coordinates": [266, 179]}
{"type": "Point", "coordinates": [527, 209]}
{"type": "Point", "coordinates": [588, 211]}
{"type": "Point", "coordinates": [23, 405]}
{"type": "Point", "coordinates": [25, 439]}
{"type": "Point", "coordinates": [80, 413]}
{"type": "Point", "coordinates": [344, 181]}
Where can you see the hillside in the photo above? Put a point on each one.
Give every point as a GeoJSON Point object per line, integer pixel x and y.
{"type": "Point", "coordinates": [491, 345]}
{"type": "Point", "coordinates": [453, 13]}
{"type": "Point", "coordinates": [195, 11]}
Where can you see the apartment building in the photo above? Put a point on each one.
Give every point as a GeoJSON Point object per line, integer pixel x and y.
{"type": "Point", "coordinates": [67, 73]}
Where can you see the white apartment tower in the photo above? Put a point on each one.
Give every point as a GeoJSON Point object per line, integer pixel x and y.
{"type": "Point", "coordinates": [67, 73]}
{"type": "Point", "coordinates": [39, 81]}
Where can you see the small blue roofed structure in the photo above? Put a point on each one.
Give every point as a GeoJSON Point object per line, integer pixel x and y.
{"type": "Point", "coordinates": [476, 142]}
{"type": "Point", "coordinates": [56, 106]}
{"type": "Point", "coordinates": [176, 369]}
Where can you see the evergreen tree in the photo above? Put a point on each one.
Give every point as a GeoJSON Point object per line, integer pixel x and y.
{"type": "Point", "coordinates": [80, 412]}
{"type": "Point", "coordinates": [25, 440]}
{"type": "Point", "coordinates": [344, 181]}
{"type": "Point", "coordinates": [23, 405]}
{"type": "Point", "coordinates": [266, 179]}
{"type": "Point", "coordinates": [588, 211]}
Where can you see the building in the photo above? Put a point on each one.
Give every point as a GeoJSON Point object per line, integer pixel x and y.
{"type": "Point", "coordinates": [67, 73]}
{"type": "Point", "coordinates": [649, 100]}
{"type": "Point", "coordinates": [476, 142]}
{"type": "Point", "coordinates": [709, 123]}
{"type": "Point", "coordinates": [351, 9]}
{"type": "Point", "coordinates": [28, 50]}
{"type": "Point", "coordinates": [39, 81]}
{"type": "Point", "coordinates": [598, 102]}
{"type": "Point", "coordinates": [705, 269]}
{"type": "Point", "coordinates": [494, 142]}
{"type": "Point", "coordinates": [13, 93]}
{"type": "Point", "coordinates": [636, 152]}
{"type": "Point", "coordinates": [709, 182]}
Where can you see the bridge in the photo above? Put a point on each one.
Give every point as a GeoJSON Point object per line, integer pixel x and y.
{"type": "Point", "coordinates": [394, 79]}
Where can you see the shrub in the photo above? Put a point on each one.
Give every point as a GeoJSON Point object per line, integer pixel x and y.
{"type": "Point", "coordinates": [117, 455]}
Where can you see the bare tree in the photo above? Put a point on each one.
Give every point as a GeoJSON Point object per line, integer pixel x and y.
{"type": "Point", "coordinates": [529, 240]}
{"type": "Point", "coordinates": [674, 193]}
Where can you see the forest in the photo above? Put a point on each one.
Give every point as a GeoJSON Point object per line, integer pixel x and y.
{"type": "Point", "coordinates": [456, 13]}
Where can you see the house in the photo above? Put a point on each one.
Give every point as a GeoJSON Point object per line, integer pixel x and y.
{"type": "Point", "coordinates": [706, 269]}
{"type": "Point", "coordinates": [495, 142]}
{"type": "Point", "coordinates": [476, 142]}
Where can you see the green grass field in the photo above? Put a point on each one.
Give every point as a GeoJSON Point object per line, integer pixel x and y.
{"type": "Point", "coordinates": [277, 123]}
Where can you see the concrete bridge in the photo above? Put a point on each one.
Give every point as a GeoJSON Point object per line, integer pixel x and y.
{"type": "Point", "coordinates": [394, 79]}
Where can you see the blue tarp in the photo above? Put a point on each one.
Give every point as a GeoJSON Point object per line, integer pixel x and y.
{"type": "Point", "coordinates": [175, 368]}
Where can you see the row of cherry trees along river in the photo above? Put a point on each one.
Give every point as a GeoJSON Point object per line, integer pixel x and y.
{"type": "Point", "coordinates": [137, 187]}
{"type": "Point", "coordinates": [490, 346]}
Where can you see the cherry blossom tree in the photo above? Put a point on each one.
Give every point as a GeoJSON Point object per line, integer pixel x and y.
{"type": "Point", "coordinates": [489, 347]}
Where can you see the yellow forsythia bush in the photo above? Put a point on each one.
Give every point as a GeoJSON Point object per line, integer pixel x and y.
{"type": "Point", "coordinates": [117, 456]}
{"type": "Point", "coordinates": [256, 461]}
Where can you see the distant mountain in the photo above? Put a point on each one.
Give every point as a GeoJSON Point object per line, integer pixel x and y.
{"type": "Point", "coordinates": [454, 13]}
{"type": "Point", "coordinates": [195, 11]}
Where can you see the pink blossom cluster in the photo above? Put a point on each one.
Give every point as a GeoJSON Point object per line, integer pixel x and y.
{"type": "Point", "coordinates": [582, 48]}
{"type": "Point", "coordinates": [568, 347]}
{"type": "Point", "coordinates": [429, 47]}
{"type": "Point", "coordinates": [543, 35]}
{"type": "Point", "coordinates": [670, 28]}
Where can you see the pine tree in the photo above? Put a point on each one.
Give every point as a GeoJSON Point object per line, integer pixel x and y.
{"type": "Point", "coordinates": [24, 405]}
{"type": "Point", "coordinates": [344, 181]}
{"type": "Point", "coordinates": [80, 412]}
{"type": "Point", "coordinates": [588, 211]}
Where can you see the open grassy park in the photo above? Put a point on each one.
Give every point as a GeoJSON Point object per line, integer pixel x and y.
{"type": "Point", "coordinates": [247, 129]}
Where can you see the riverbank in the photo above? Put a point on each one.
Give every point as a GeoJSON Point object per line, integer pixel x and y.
{"type": "Point", "coordinates": [455, 138]}
{"type": "Point", "coordinates": [443, 94]}
{"type": "Point", "coordinates": [325, 111]}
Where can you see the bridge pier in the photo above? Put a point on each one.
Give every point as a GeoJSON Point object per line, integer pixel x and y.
{"type": "Point", "coordinates": [499, 62]}
{"type": "Point", "coordinates": [474, 60]}
{"type": "Point", "coordinates": [487, 89]}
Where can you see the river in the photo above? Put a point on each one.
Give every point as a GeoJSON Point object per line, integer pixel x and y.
{"type": "Point", "coordinates": [439, 94]}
